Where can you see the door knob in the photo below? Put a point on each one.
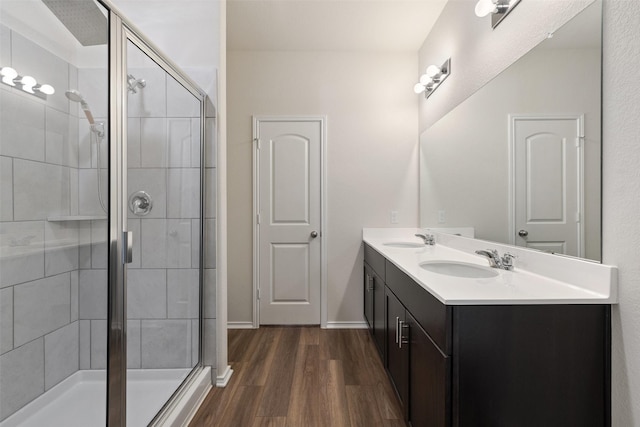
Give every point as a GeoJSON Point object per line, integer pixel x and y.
{"type": "Point", "coordinates": [314, 234]}
{"type": "Point", "coordinates": [523, 233]}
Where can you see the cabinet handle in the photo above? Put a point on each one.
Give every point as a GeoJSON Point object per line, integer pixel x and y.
{"type": "Point", "coordinates": [397, 328]}
{"type": "Point", "coordinates": [371, 283]}
{"type": "Point", "coordinates": [402, 339]}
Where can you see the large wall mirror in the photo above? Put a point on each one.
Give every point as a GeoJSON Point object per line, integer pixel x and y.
{"type": "Point", "coordinates": [520, 160]}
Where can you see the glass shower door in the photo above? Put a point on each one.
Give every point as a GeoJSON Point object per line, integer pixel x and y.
{"type": "Point", "coordinates": [164, 216]}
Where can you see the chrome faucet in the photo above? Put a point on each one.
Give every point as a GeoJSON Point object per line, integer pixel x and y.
{"type": "Point", "coordinates": [504, 263]}
{"type": "Point", "coordinates": [427, 238]}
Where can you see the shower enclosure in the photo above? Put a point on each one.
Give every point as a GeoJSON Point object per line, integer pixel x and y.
{"type": "Point", "coordinates": [102, 219]}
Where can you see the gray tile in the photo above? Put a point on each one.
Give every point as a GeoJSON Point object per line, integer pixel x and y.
{"type": "Point", "coordinates": [75, 279]}
{"type": "Point", "coordinates": [85, 344]}
{"type": "Point", "coordinates": [134, 226]}
{"type": "Point", "coordinates": [93, 84]}
{"type": "Point", "coordinates": [195, 243]}
{"type": "Point", "coordinates": [40, 307]}
{"type": "Point", "coordinates": [61, 138]}
{"type": "Point", "coordinates": [166, 243]}
{"type": "Point", "coordinates": [21, 127]}
{"type": "Point", "coordinates": [179, 143]}
{"type": "Point", "coordinates": [133, 344]}
{"type": "Point", "coordinates": [166, 344]}
{"type": "Point", "coordinates": [6, 189]}
{"type": "Point", "coordinates": [92, 294]}
{"type": "Point", "coordinates": [23, 252]}
{"type": "Point", "coordinates": [40, 190]}
{"type": "Point", "coordinates": [209, 342]}
{"type": "Point", "coordinates": [211, 191]}
{"type": "Point", "coordinates": [61, 247]}
{"type": "Point", "coordinates": [195, 342]}
{"type": "Point", "coordinates": [196, 144]}
{"type": "Point", "coordinates": [74, 191]}
{"type": "Point", "coordinates": [21, 377]}
{"type": "Point", "coordinates": [151, 101]}
{"type": "Point", "coordinates": [6, 320]}
{"type": "Point", "coordinates": [47, 68]}
{"type": "Point", "coordinates": [84, 244]}
{"type": "Point", "coordinates": [99, 247]}
{"type": "Point", "coordinates": [153, 143]}
{"type": "Point", "coordinates": [183, 293]}
{"type": "Point", "coordinates": [183, 193]}
{"type": "Point", "coordinates": [146, 294]}
{"type": "Point", "coordinates": [154, 182]}
{"type": "Point", "coordinates": [211, 143]}
{"type": "Point", "coordinates": [61, 354]}
{"type": "Point", "coordinates": [210, 243]}
{"type": "Point", "coordinates": [180, 102]}
{"type": "Point", "coordinates": [133, 142]}
{"type": "Point", "coordinates": [5, 46]}
{"type": "Point", "coordinates": [210, 290]}
{"type": "Point", "coordinates": [88, 198]}
{"type": "Point", "coordinates": [98, 344]}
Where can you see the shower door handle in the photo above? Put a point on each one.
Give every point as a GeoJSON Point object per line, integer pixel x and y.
{"type": "Point", "coordinates": [127, 247]}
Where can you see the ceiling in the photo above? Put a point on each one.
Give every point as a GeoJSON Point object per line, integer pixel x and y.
{"type": "Point", "coordinates": [330, 25]}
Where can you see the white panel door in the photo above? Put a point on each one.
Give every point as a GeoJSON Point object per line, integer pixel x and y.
{"type": "Point", "coordinates": [548, 183]}
{"type": "Point", "coordinates": [289, 219]}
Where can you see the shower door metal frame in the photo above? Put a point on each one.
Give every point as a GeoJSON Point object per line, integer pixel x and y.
{"type": "Point", "coordinates": [121, 31]}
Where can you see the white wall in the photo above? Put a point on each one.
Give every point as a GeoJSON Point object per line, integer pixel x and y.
{"type": "Point", "coordinates": [371, 154]}
{"type": "Point", "coordinates": [621, 205]}
{"type": "Point", "coordinates": [621, 152]}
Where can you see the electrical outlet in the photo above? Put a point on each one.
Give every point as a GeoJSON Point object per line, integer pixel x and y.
{"type": "Point", "coordinates": [442, 217]}
{"type": "Point", "coordinates": [394, 217]}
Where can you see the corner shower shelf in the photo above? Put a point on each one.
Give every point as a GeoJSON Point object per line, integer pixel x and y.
{"type": "Point", "coordinates": [75, 218]}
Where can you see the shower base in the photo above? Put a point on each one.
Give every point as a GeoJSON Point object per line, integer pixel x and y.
{"type": "Point", "coordinates": [80, 400]}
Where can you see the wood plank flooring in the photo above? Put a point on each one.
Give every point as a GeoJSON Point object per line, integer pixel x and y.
{"type": "Point", "coordinates": [302, 377]}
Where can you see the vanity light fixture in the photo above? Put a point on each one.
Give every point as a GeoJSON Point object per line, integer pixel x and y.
{"type": "Point", "coordinates": [28, 84]}
{"type": "Point", "coordinates": [498, 9]}
{"type": "Point", "coordinates": [433, 78]}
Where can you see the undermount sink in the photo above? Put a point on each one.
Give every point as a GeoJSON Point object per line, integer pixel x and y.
{"type": "Point", "coordinates": [459, 269]}
{"type": "Point", "coordinates": [404, 244]}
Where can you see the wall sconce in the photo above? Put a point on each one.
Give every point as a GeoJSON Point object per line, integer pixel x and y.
{"type": "Point", "coordinates": [498, 9]}
{"type": "Point", "coordinates": [28, 84]}
{"type": "Point", "coordinates": [433, 78]}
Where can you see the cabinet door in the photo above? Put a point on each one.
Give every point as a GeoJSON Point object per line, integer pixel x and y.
{"type": "Point", "coordinates": [397, 351]}
{"type": "Point", "coordinates": [429, 373]}
{"type": "Point", "coordinates": [378, 314]}
{"type": "Point", "coordinates": [368, 295]}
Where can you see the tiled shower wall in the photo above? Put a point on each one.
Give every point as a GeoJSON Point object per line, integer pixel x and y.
{"type": "Point", "coordinates": [53, 289]}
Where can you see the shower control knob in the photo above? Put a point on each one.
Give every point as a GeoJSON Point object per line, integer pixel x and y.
{"type": "Point", "coordinates": [523, 233]}
{"type": "Point", "coordinates": [140, 203]}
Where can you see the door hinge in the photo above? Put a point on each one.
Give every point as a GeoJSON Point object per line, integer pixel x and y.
{"type": "Point", "coordinates": [257, 141]}
{"type": "Point", "coordinates": [258, 219]}
{"type": "Point", "coordinates": [577, 216]}
{"type": "Point", "coordinates": [258, 293]}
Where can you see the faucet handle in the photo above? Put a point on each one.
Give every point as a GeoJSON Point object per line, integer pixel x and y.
{"type": "Point", "coordinates": [507, 260]}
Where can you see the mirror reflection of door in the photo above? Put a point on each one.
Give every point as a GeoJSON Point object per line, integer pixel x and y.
{"type": "Point", "coordinates": [548, 182]}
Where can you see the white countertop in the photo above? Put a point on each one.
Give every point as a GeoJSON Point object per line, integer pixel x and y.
{"type": "Point", "coordinates": [538, 278]}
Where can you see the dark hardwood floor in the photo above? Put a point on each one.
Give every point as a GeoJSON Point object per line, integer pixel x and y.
{"type": "Point", "coordinates": [302, 377]}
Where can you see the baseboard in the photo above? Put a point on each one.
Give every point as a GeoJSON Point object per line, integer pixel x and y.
{"type": "Point", "coordinates": [240, 325]}
{"type": "Point", "coordinates": [223, 380]}
{"type": "Point", "coordinates": [347, 325]}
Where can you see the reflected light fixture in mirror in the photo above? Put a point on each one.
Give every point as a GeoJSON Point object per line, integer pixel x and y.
{"type": "Point", "coordinates": [498, 9]}
{"type": "Point", "coordinates": [433, 78]}
{"type": "Point", "coordinates": [28, 84]}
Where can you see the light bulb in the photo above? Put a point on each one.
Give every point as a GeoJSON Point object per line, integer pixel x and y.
{"type": "Point", "coordinates": [8, 74]}
{"type": "Point", "coordinates": [47, 89]}
{"type": "Point", "coordinates": [424, 80]}
{"type": "Point", "coordinates": [418, 88]}
{"type": "Point", "coordinates": [28, 83]}
{"type": "Point", "coordinates": [485, 7]}
{"type": "Point", "coordinates": [433, 70]}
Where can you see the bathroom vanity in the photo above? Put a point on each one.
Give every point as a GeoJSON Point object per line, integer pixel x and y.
{"type": "Point", "coordinates": [494, 348]}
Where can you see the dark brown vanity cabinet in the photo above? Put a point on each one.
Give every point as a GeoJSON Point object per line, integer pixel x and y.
{"type": "Point", "coordinates": [374, 273]}
{"type": "Point", "coordinates": [495, 365]}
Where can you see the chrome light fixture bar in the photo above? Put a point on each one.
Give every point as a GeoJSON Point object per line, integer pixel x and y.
{"type": "Point", "coordinates": [433, 78]}
{"type": "Point", "coordinates": [28, 84]}
{"type": "Point", "coordinates": [498, 9]}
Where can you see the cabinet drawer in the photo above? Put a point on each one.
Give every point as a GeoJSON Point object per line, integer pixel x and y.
{"type": "Point", "coordinates": [433, 316]}
{"type": "Point", "coordinates": [375, 260]}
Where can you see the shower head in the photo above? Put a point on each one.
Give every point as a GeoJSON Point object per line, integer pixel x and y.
{"type": "Point", "coordinates": [75, 96]}
{"type": "Point", "coordinates": [84, 19]}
